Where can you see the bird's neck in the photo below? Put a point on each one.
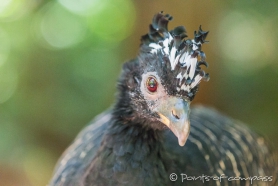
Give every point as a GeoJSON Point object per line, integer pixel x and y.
{"type": "Point", "coordinates": [130, 153]}
{"type": "Point", "coordinates": [139, 135]}
{"type": "Point", "coordinates": [129, 148]}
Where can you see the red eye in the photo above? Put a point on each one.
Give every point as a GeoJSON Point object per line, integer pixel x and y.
{"type": "Point", "coordinates": [151, 84]}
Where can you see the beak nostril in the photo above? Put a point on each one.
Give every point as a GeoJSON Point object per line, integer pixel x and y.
{"type": "Point", "coordinates": [175, 114]}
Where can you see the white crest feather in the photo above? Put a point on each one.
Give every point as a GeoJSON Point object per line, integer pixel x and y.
{"type": "Point", "coordinates": [197, 80]}
{"type": "Point", "coordinates": [172, 57]}
{"type": "Point", "coordinates": [185, 88]}
{"type": "Point", "coordinates": [155, 47]}
{"type": "Point", "coordinates": [193, 62]}
{"type": "Point", "coordinates": [180, 78]}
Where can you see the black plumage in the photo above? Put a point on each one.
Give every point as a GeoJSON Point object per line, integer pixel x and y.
{"type": "Point", "coordinates": [131, 144]}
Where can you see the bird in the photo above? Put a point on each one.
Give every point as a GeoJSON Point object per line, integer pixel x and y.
{"type": "Point", "coordinates": [152, 136]}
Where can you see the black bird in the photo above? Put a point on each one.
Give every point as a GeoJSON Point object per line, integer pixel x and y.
{"type": "Point", "coordinates": [147, 135]}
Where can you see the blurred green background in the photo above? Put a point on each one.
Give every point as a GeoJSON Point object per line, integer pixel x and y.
{"type": "Point", "coordinates": [59, 62]}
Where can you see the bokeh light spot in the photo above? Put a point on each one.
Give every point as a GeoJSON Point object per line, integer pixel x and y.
{"type": "Point", "coordinates": [241, 41]}
{"type": "Point", "coordinates": [4, 4]}
{"type": "Point", "coordinates": [81, 7]}
{"type": "Point", "coordinates": [11, 10]}
{"type": "Point", "coordinates": [114, 22]}
{"type": "Point", "coordinates": [60, 28]}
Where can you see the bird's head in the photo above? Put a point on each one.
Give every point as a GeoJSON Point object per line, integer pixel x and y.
{"type": "Point", "coordinates": [156, 88]}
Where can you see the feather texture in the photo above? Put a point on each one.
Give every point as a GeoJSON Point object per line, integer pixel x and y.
{"type": "Point", "coordinates": [217, 145]}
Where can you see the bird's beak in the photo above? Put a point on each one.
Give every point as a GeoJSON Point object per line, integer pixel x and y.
{"type": "Point", "coordinates": [174, 113]}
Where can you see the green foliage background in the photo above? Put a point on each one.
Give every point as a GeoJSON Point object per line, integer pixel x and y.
{"type": "Point", "coordinates": [59, 63]}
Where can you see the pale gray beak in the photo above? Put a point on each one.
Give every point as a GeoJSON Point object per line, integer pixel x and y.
{"type": "Point", "coordinates": [174, 113]}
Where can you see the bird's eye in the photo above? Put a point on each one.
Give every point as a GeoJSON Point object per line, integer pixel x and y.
{"type": "Point", "coordinates": [151, 84]}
